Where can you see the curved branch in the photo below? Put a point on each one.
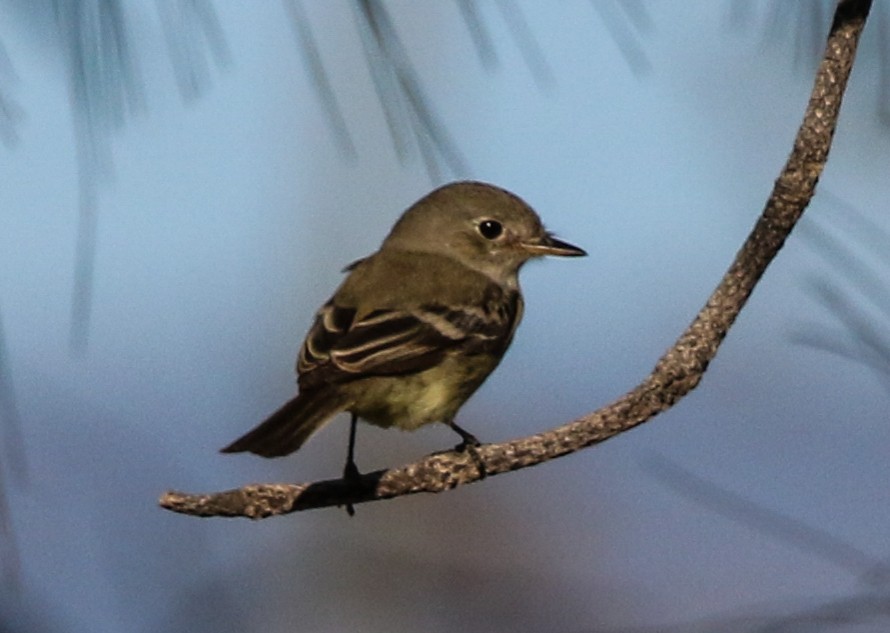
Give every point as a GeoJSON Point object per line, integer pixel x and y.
{"type": "Point", "coordinates": [675, 375]}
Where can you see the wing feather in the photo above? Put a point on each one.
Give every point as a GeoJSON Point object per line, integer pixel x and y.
{"type": "Point", "coordinates": [386, 342]}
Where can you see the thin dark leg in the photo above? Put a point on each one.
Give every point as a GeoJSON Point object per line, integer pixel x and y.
{"type": "Point", "coordinates": [468, 438]}
{"type": "Point", "coordinates": [469, 443]}
{"type": "Point", "coordinates": [350, 470]}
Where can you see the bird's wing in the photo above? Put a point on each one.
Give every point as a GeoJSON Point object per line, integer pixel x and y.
{"type": "Point", "coordinates": [341, 347]}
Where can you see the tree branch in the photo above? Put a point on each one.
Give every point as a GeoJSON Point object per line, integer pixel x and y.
{"type": "Point", "coordinates": [675, 375]}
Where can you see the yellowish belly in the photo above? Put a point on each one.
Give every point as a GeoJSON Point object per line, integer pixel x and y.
{"type": "Point", "coordinates": [409, 402]}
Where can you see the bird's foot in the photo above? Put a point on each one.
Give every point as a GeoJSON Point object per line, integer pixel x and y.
{"type": "Point", "coordinates": [471, 450]}
{"type": "Point", "coordinates": [469, 444]}
{"type": "Point", "coordinates": [467, 439]}
{"type": "Point", "coordinates": [351, 476]}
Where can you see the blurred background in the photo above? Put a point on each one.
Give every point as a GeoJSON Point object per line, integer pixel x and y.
{"type": "Point", "coordinates": [181, 182]}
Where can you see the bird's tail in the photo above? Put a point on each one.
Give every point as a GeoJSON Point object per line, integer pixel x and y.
{"type": "Point", "coordinates": [288, 428]}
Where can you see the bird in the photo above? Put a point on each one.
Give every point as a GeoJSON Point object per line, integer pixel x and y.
{"type": "Point", "coordinates": [416, 327]}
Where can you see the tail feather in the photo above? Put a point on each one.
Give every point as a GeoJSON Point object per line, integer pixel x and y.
{"type": "Point", "coordinates": [288, 428]}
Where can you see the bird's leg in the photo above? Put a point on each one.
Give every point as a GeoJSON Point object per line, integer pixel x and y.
{"type": "Point", "coordinates": [350, 470]}
{"type": "Point", "coordinates": [469, 443]}
{"type": "Point", "coordinates": [468, 438]}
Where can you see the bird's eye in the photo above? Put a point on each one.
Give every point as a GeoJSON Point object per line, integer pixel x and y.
{"type": "Point", "coordinates": [490, 229]}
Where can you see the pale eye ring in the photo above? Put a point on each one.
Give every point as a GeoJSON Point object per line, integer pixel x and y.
{"type": "Point", "coordinates": [490, 229]}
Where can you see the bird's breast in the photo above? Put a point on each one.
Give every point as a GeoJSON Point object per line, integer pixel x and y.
{"type": "Point", "coordinates": [434, 395]}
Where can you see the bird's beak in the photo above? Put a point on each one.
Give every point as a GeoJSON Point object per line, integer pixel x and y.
{"type": "Point", "coordinates": [549, 245]}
